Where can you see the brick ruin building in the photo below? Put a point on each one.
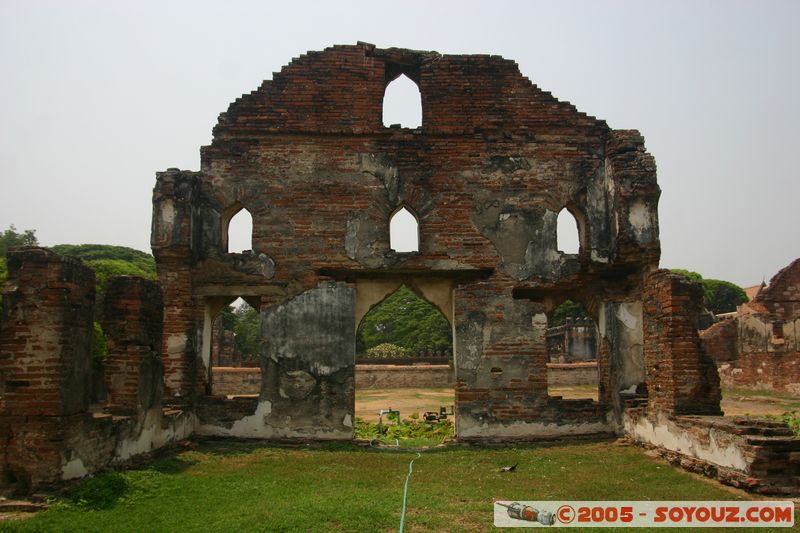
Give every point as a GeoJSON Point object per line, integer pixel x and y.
{"type": "Point", "coordinates": [759, 347]}
{"type": "Point", "coordinates": [494, 162]}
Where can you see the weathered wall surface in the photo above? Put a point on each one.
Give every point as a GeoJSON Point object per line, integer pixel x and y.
{"type": "Point", "coordinates": [572, 342]}
{"type": "Point", "coordinates": [233, 381]}
{"type": "Point", "coordinates": [404, 376]}
{"type": "Point", "coordinates": [682, 378]}
{"type": "Point", "coordinates": [571, 374]}
{"type": "Point", "coordinates": [47, 432]}
{"type": "Point", "coordinates": [307, 155]}
{"type": "Point", "coordinates": [132, 317]}
{"type": "Point", "coordinates": [759, 347]}
{"type": "Point", "coordinates": [754, 454]}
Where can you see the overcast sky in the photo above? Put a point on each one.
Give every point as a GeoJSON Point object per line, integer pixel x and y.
{"type": "Point", "coordinates": [96, 96]}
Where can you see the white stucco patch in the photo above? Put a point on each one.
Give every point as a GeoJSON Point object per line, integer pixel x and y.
{"type": "Point", "coordinates": [640, 221]}
{"type": "Point", "coordinates": [153, 435]}
{"type": "Point", "coordinates": [73, 469]}
{"type": "Point", "coordinates": [624, 315]}
{"type": "Point", "coordinates": [527, 430]}
{"type": "Point", "coordinates": [348, 421]}
{"type": "Point", "coordinates": [677, 439]}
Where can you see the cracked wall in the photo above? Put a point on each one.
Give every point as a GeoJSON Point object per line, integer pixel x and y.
{"type": "Point", "coordinates": [759, 347]}
{"type": "Point", "coordinates": [308, 157]}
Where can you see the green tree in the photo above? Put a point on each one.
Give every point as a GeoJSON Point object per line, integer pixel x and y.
{"type": "Point", "coordinates": [720, 296]}
{"type": "Point", "coordinates": [405, 320]}
{"type": "Point", "coordinates": [568, 308]}
{"type": "Point", "coordinates": [10, 238]}
{"type": "Point", "coordinates": [108, 261]}
{"type": "Point", "coordinates": [247, 328]}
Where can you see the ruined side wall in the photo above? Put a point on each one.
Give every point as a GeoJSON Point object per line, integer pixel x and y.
{"type": "Point", "coordinates": [236, 381]}
{"type": "Point", "coordinates": [132, 322]}
{"type": "Point", "coordinates": [47, 433]}
{"type": "Point", "coordinates": [721, 340]}
{"type": "Point", "coordinates": [760, 347]}
{"type": "Point", "coordinates": [681, 378]}
{"type": "Point", "coordinates": [45, 361]}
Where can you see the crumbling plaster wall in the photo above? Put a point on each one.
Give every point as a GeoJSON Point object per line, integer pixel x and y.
{"type": "Point", "coordinates": [760, 346]}
{"type": "Point", "coordinates": [494, 162]}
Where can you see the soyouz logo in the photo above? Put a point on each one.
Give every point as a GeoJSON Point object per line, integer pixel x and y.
{"type": "Point", "coordinates": [519, 513]}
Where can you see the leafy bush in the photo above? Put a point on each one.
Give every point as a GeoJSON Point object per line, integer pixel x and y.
{"type": "Point", "coordinates": [792, 420]}
{"type": "Point", "coordinates": [410, 431]}
{"type": "Point", "coordinates": [100, 492]}
{"type": "Point", "coordinates": [99, 344]}
{"type": "Point", "coordinates": [387, 351]}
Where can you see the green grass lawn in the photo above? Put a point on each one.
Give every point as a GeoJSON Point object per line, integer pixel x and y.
{"type": "Point", "coordinates": [241, 486]}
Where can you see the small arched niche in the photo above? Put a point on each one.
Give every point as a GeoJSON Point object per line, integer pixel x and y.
{"type": "Point", "coordinates": [404, 231]}
{"type": "Point", "coordinates": [239, 232]}
{"type": "Point", "coordinates": [402, 103]}
{"type": "Point", "coordinates": [567, 233]}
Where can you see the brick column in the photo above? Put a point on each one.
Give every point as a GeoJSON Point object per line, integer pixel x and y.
{"type": "Point", "coordinates": [45, 341]}
{"type": "Point", "coordinates": [681, 378]}
{"type": "Point", "coordinates": [133, 314]}
{"type": "Point", "coordinates": [45, 361]}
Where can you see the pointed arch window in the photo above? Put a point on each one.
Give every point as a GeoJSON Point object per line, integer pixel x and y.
{"type": "Point", "coordinates": [240, 232]}
{"type": "Point", "coordinates": [402, 103]}
{"type": "Point", "coordinates": [404, 231]}
{"type": "Point", "coordinates": [567, 233]}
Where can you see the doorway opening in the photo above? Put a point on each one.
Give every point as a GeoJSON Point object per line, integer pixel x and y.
{"type": "Point", "coordinates": [404, 360]}
{"type": "Point", "coordinates": [233, 348]}
{"type": "Point", "coordinates": [572, 347]}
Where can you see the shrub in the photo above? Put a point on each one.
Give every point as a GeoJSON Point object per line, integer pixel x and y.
{"type": "Point", "coordinates": [387, 351]}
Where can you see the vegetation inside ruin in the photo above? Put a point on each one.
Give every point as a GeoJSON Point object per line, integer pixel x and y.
{"type": "Point", "coordinates": [245, 323]}
{"type": "Point", "coordinates": [406, 321]}
{"type": "Point", "coordinates": [412, 432]}
{"type": "Point", "coordinates": [567, 309]}
{"type": "Point", "coordinates": [249, 486]}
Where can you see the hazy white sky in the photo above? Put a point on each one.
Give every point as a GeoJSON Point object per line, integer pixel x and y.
{"type": "Point", "coordinates": [96, 96]}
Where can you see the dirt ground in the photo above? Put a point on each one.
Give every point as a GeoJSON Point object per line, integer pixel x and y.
{"type": "Point", "coordinates": [735, 402]}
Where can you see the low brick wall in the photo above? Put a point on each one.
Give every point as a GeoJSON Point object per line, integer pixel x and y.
{"type": "Point", "coordinates": [571, 374]}
{"type": "Point", "coordinates": [404, 376]}
{"type": "Point", "coordinates": [228, 380]}
{"type": "Point", "coordinates": [756, 454]}
{"type": "Point", "coordinates": [234, 380]}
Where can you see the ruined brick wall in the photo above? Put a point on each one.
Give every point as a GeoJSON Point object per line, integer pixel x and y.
{"type": "Point", "coordinates": [47, 431]}
{"type": "Point", "coordinates": [223, 347]}
{"type": "Point", "coordinates": [45, 342]}
{"type": "Point", "coordinates": [571, 374]}
{"type": "Point", "coordinates": [404, 376]}
{"type": "Point", "coordinates": [132, 321]}
{"type": "Point", "coordinates": [720, 341]}
{"type": "Point", "coordinates": [235, 380]}
{"type": "Point", "coordinates": [760, 346]}
{"type": "Point", "coordinates": [681, 378]}
{"type": "Point", "coordinates": [572, 342]}
{"type": "Point", "coordinates": [45, 361]}
{"type": "Point", "coordinates": [494, 162]}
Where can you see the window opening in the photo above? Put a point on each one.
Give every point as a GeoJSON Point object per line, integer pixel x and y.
{"type": "Point", "coordinates": [235, 344]}
{"type": "Point", "coordinates": [402, 103]}
{"type": "Point", "coordinates": [568, 236]}
{"type": "Point", "coordinates": [240, 232]}
{"type": "Point", "coordinates": [404, 232]}
{"type": "Point", "coordinates": [404, 361]}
